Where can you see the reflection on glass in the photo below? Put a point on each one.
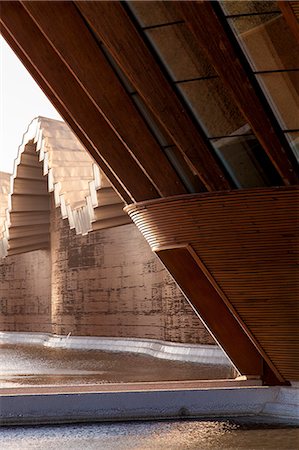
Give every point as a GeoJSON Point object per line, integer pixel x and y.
{"type": "Point", "coordinates": [282, 90]}
{"type": "Point", "coordinates": [231, 7]}
{"type": "Point", "coordinates": [246, 161]}
{"type": "Point", "coordinates": [183, 59]}
{"type": "Point", "coordinates": [150, 121]}
{"type": "Point", "coordinates": [267, 41]}
{"type": "Point", "coordinates": [212, 106]}
{"type": "Point", "coordinates": [183, 168]}
{"type": "Point", "coordinates": [293, 139]}
{"type": "Point", "coordinates": [153, 13]}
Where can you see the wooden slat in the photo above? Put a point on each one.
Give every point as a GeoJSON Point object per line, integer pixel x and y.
{"type": "Point", "coordinates": [83, 111]}
{"type": "Point", "coordinates": [290, 11]}
{"type": "Point", "coordinates": [30, 173]}
{"type": "Point", "coordinates": [248, 241]}
{"type": "Point", "coordinates": [115, 29]}
{"type": "Point", "coordinates": [28, 241]}
{"type": "Point", "coordinates": [30, 160]}
{"type": "Point", "coordinates": [109, 211]}
{"type": "Point", "coordinates": [107, 196]}
{"type": "Point", "coordinates": [43, 245]}
{"type": "Point", "coordinates": [36, 187]}
{"type": "Point", "coordinates": [82, 55]}
{"type": "Point", "coordinates": [65, 114]}
{"type": "Point", "coordinates": [29, 218]}
{"type": "Point", "coordinates": [111, 222]}
{"type": "Point", "coordinates": [210, 35]}
{"type": "Point", "coordinates": [25, 202]}
{"type": "Point", "coordinates": [209, 305]}
{"type": "Point", "coordinates": [29, 230]}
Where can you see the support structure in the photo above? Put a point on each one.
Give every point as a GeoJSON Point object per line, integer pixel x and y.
{"type": "Point", "coordinates": [112, 25]}
{"type": "Point", "coordinates": [211, 36]}
{"type": "Point", "coordinates": [244, 243]}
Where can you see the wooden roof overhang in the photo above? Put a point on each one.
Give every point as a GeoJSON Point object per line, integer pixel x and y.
{"type": "Point", "coordinates": [64, 45]}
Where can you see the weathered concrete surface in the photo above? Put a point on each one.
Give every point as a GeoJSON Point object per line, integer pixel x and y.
{"type": "Point", "coordinates": [175, 351]}
{"type": "Point", "coordinates": [109, 283]}
{"type": "Point", "coordinates": [136, 405]}
{"type": "Point", "coordinates": [25, 292]}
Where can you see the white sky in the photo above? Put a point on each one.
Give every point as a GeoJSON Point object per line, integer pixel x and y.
{"type": "Point", "coordinates": [21, 100]}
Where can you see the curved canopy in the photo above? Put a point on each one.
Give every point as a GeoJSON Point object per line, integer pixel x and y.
{"type": "Point", "coordinates": [51, 159]}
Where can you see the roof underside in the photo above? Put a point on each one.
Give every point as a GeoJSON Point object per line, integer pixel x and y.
{"type": "Point", "coordinates": [173, 98]}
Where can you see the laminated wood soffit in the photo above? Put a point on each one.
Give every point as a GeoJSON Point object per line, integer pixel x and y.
{"type": "Point", "coordinates": [245, 238]}
{"type": "Point", "coordinates": [114, 28]}
{"type": "Point", "coordinates": [210, 34]}
{"type": "Point", "coordinates": [82, 54]}
{"type": "Point", "coordinates": [108, 148]}
{"type": "Point", "coordinates": [192, 277]}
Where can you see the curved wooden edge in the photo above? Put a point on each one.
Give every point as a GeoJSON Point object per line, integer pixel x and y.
{"type": "Point", "coordinates": [61, 84]}
{"type": "Point", "coordinates": [81, 54]}
{"type": "Point", "coordinates": [209, 195]}
{"type": "Point", "coordinates": [113, 26]}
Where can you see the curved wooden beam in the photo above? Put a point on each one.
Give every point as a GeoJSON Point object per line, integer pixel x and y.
{"type": "Point", "coordinates": [83, 56]}
{"type": "Point", "coordinates": [183, 265]}
{"type": "Point", "coordinates": [62, 83]}
{"type": "Point", "coordinates": [114, 28]}
{"type": "Point", "coordinates": [244, 244]}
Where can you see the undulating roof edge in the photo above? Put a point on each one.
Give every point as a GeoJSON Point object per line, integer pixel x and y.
{"type": "Point", "coordinates": [51, 159]}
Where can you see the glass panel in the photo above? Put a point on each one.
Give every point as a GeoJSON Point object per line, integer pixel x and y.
{"type": "Point", "coordinates": [183, 59]}
{"type": "Point", "coordinates": [176, 158]}
{"type": "Point", "coordinates": [232, 7]}
{"type": "Point", "coordinates": [212, 106]}
{"type": "Point", "coordinates": [151, 122]}
{"type": "Point", "coordinates": [293, 139]}
{"type": "Point", "coordinates": [268, 42]}
{"type": "Point", "coordinates": [153, 13]}
{"type": "Point", "coordinates": [282, 90]}
{"type": "Point", "coordinates": [246, 161]}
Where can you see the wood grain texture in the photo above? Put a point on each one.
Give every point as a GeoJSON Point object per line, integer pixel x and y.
{"type": "Point", "coordinates": [210, 35]}
{"type": "Point", "coordinates": [248, 241]}
{"type": "Point", "coordinates": [63, 84]}
{"type": "Point", "coordinates": [64, 113]}
{"type": "Point", "coordinates": [83, 56]}
{"type": "Point", "coordinates": [209, 305]}
{"type": "Point", "coordinates": [290, 11]}
{"type": "Point", "coordinates": [115, 29]}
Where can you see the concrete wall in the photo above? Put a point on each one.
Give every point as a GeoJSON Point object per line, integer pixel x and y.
{"type": "Point", "coordinates": [25, 292]}
{"type": "Point", "coordinates": [109, 283]}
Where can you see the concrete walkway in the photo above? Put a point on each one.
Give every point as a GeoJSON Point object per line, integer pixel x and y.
{"type": "Point", "coordinates": [143, 401]}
